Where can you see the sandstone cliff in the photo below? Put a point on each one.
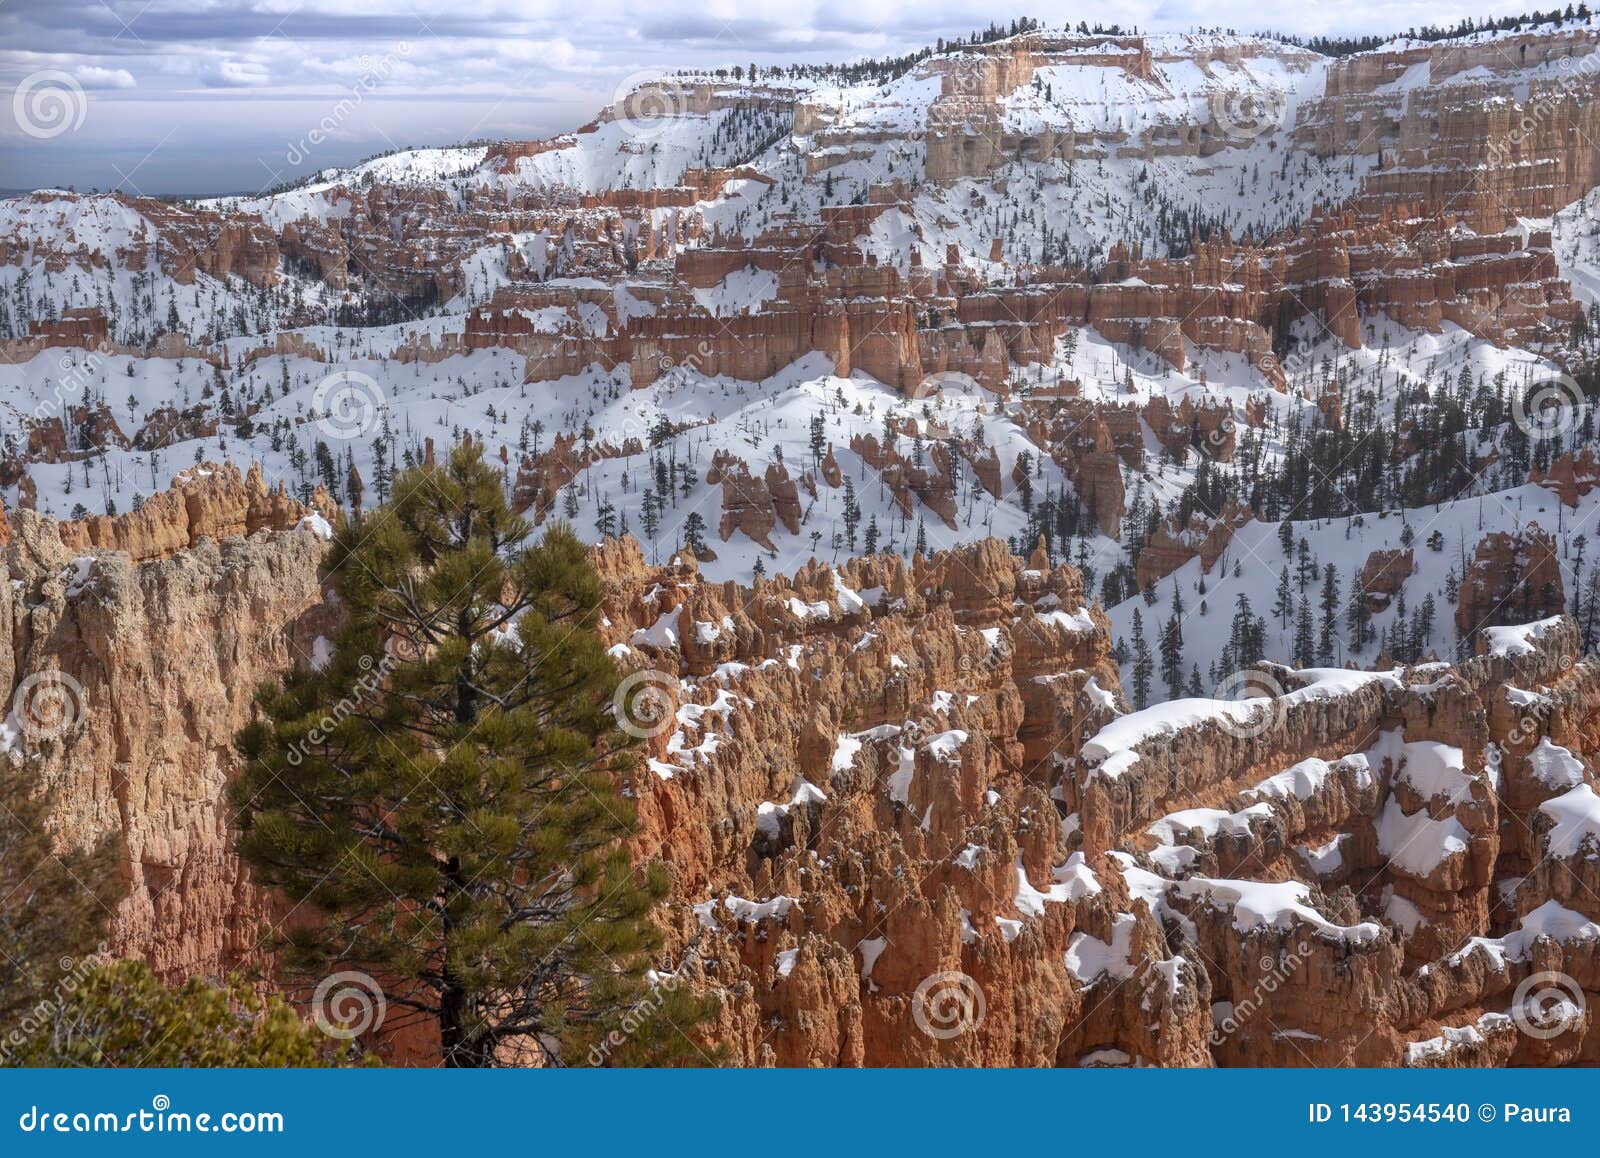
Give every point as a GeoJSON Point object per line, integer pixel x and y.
{"type": "Point", "coordinates": [126, 681]}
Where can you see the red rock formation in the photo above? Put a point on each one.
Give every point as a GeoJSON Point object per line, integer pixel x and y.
{"type": "Point", "coordinates": [1383, 574]}
{"type": "Point", "coordinates": [205, 502]}
{"type": "Point", "coordinates": [160, 661]}
{"type": "Point", "coordinates": [1514, 577]}
{"type": "Point", "coordinates": [1571, 476]}
{"type": "Point", "coordinates": [1171, 546]}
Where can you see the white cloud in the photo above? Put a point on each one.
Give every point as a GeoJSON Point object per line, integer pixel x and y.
{"type": "Point", "coordinates": [238, 74]}
{"type": "Point", "coordinates": [93, 76]}
{"type": "Point", "coordinates": [551, 63]}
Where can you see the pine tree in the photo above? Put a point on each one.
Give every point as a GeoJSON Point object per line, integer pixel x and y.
{"type": "Point", "coordinates": [1329, 603]}
{"type": "Point", "coordinates": [1357, 616]}
{"type": "Point", "coordinates": [1172, 657]}
{"type": "Point", "coordinates": [694, 533]}
{"type": "Point", "coordinates": [1283, 601]}
{"type": "Point", "coordinates": [852, 514]}
{"type": "Point", "coordinates": [1143, 664]}
{"type": "Point", "coordinates": [1304, 640]}
{"type": "Point", "coordinates": [444, 791]}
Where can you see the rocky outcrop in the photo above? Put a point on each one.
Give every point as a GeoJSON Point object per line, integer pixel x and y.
{"type": "Point", "coordinates": [1170, 545]}
{"type": "Point", "coordinates": [1384, 574]}
{"type": "Point", "coordinates": [888, 790]}
{"type": "Point", "coordinates": [1570, 476]}
{"type": "Point", "coordinates": [887, 879]}
{"type": "Point", "coordinates": [209, 501]}
{"type": "Point", "coordinates": [126, 683]}
{"type": "Point", "coordinates": [1514, 577]}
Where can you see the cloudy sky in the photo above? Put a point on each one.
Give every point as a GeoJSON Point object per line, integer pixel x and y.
{"type": "Point", "coordinates": [206, 96]}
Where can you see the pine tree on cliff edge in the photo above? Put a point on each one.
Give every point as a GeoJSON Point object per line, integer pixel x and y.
{"type": "Point", "coordinates": [443, 792]}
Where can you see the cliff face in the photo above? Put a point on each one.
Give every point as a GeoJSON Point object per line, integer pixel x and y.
{"type": "Point", "coordinates": [909, 819]}
{"type": "Point", "coordinates": [127, 682]}
{"type": "Point", "coordinates": [853, 788]}
{"type": "Point", "coordinates": [909, 823]}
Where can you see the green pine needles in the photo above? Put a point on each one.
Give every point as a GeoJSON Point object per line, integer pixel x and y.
{"type": "Point", "coordinates": [441, 802]}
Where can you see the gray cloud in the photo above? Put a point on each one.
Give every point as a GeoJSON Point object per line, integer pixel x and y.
{"type": "Point", "coordinates": [201, 95]}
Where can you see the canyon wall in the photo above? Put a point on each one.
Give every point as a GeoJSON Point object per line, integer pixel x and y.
{"type": "Point", "coordinates": [126, 682]}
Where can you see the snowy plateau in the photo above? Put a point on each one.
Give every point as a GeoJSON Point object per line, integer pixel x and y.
{"type": "Point", "coordinates": [1117, 514]}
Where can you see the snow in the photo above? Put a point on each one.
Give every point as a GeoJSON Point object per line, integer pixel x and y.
{"type": "Point", "coordinates": [1304, 779]}
{"type": "Point", "coordinates": [945, 747]}
{"type": "Point", "coordinates": [663, 634]}
{"type": "Point", "coordinates": [1281, 906]}
{"type": "Point", "coordinates": [743, 291]}
{"type": "Point", "coordinates": [1088, 958]}
{"type": "Point", "coordinates": [1436, 771]}
{"type": "Point", "coordinates": [900, 778]}
{"type": "Point", "coordinates": [753, 912]}
{"type": "Point", "coordinates": [1210, 822]}
{"type": "Point", "coordinates": [321, 652]}
{"type": "Point", "coordinates": [770, 814]}
{"type": "Point", "coordinates": [1125, 733]}
{"type": "Point", "coordinates": [1072, 882]}
{"type": "Point", "coordinates": [844, 753]}
{"type": "Point", "coordinates": [1417, 842]}
{"type": "Point", "coordinates": [870, 130]}
{"type": "Point", "coordinates": [1325, 858]}
{"type": "Point", "coordinates": [1551, 920]}
{"type": "Point", "coordinates": [1577, 823]}
{"type": "Point", "coordinates": [1399, 911]}
{"type": "Point", "coordinates": [1519, 639]}
{"type": "Point", "coordinates": [318, 526]}
{"type": "Point", "coordinates": [1453, 1038]}
{"type": "Point", "coordinates": [1554, 766]}
{"type": "Point", "coordinates": [870, 949]}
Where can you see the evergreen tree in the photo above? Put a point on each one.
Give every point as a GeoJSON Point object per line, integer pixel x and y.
{"type": "Point", "coordinates": [453, 813]}
{"type": "Point", "coordinates": [1172, 657]}
{"type": "Point", "coordinates": [1304, 640]}
{"type": "Point", "coordinates": [1283, 601]}
{"type": "Point", "coordinates": [1329, 603]}
{"type": "Point", "coordinates": [694, 532]}
{"type": "Point", "coordinates": [1143, 664]}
